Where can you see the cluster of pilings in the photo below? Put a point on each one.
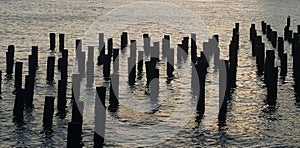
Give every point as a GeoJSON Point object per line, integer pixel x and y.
{"type": "Point", "coordinates": [110, 56]}
{"type": "Point", "coordinates": [24, 96]}
{"type": "Point", "coordinates": [265, 59]}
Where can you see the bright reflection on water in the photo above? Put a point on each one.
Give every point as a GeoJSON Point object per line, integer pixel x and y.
{"type": "Point", "coordinates": [27, 23]}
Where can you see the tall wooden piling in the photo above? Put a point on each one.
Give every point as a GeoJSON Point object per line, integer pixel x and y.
{"type": "Point", "coordinates": [73, 135]}
{"type": "Point", "coordinates": [109, 47]}
{"type": "Point", "coordinates": [34, 53]}
{"type": "Point", "coordinates": [29, 88]}
{"type": "Point", "coordinates": [18, 110]}
{"type": "Point", "coordinates": [18, 75]}
{"type": "Point", "coordinates": [124, 40]}
{"type": "Point", "coordinates": [61, 98]}
{"type": "Point", "coordinates": [283, 65]}
{"type": "Point", "coordinates": [61, 42]}
{"type": "Point", "coordinates": [10, 61]}
{"type": "Point", "coordinates": [52, 41]}
{"type": "Point", "coordinates": [114, 93]}
{"type": "Point", "coordinates": [201, 67]}
{"type": "Point", "coordinates": [106, 67]}
{"type": "Point", "coordinates": [48, 112]}
{"type": "Point", "coordinates": [50, 69]}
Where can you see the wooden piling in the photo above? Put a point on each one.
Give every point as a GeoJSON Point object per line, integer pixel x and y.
{"type": "Point", "coordinates": [283, 65]}
{"type": "Point", "coordinates": [73, 135]}
{"type": "Point", "coordinates": [106, 67]}
{"type": "Point", "coordinates": [50, 69]}
{"type": "Point", "coordinates": [34, 53]}
{"type": "Point", "coordinates": [29, 88]}
{"type": "Point", "coordinates": [10, 61]}
{"type": "Point", "coordinates": [48, 112]}
{"type": "Point", "coordinates": [52, 41]}
{"type": "Point", "coordinates": [61, 98]}
{"type": "Point", "coordinates": [61, 42]}
{"type": "Point", "coordinates": [114, 93]}
{"type": "Point", "coordinates": [124, 40]}
{"type": "Point", "coordinates": [109, 47]}
{"type": "Point", "coordinates": [18, 110]}
{"type": "Point", "coordinates": [18, 75]}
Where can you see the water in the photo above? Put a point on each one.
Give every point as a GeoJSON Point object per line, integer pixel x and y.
{"type": "Point", "coordinates": [27, 23]}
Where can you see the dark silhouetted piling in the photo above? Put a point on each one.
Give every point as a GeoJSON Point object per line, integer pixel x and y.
{"type": "Point", "coordinates": [124, 40]}
{"type": "Point", "coordinates": [263, 27]}
{"type": "Point", "coordinates": [18, 110]}
{"type": "Point", "coordinates": [288, 21]}
{"type": "Point", "coordinates": [50, 69]}
{"type": "Point", "coordinates": [64, 66]}
{"type": "Point", "coordinates": [73, 135]}
{"type": "Point", "coordinates": [131, 71]}
{"type": "Point", "coordinates": [52, 41]}
{"type": "Point", "coordinates": [18, 75]}
{"type": "Point", "coordinates": [280, 47]}
{"type": "Point", "coordinates": [61, 98]}
{"type": "Point", "coordinates": [109, 47]}
{"type": "Point", "coordinates": [34, 53]}
{"type": "Point", "coordinates": [48, 112]}
{"type": "Point", "coordinates": [269, 64]}
{"type": "Point", "coordinates": [29, 87]}
{"type": "Point", "coordinates": [10, 61]}
{"type": "Point", "coordinates": [114, 93]}
{"type": "Point", "coordinates": [106, 67]}
{"type": "Point", "coordinates": [61, 42]}
{"type": "Point", "coordinates": [272, 86]}
{"type": "Point", "coordinates": [185, 45]}
{"type": "Point", "coordinates": [283, 65]}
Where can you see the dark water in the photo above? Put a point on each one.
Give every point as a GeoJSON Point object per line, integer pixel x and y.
{"type": "Point", "coordinates": [27, 22]}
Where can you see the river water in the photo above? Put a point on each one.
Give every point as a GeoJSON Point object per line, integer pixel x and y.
{"type": "Point", "coordinates": [140, 121]}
